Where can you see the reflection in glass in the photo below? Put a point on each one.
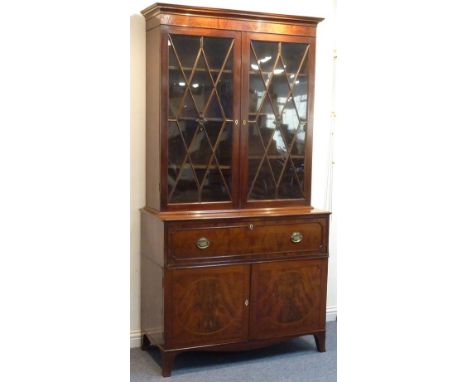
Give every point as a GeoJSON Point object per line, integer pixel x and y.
{"type": "Point", "coordinates": [277, 120]}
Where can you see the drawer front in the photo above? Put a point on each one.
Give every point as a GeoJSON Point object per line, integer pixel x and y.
{"type": "Point", "coordinates": [247, 237]}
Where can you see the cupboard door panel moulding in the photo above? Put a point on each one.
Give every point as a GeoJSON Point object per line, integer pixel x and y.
{"type": "Point", "coordinates": [287, 298]}
{"type": "Point", "coordinates": [210, 305]}
{"type": "Point", "coordinates": [233, 255]}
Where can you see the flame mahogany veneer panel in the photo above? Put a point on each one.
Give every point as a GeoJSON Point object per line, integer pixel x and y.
{"type": "Point", "coordinates": [287, 298]}
{"type": "Point", "coordinates": [207, 305]}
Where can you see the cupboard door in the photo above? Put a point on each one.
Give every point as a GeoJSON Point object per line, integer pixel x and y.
{"type": "Point", "coordinates": [207, 305]}
{"type": "Point", "coordinates": [202, 115]}
{"type": "Point", "coordinates": [279, 75]}
{"type": "Point", "coordinates": [288, 298]}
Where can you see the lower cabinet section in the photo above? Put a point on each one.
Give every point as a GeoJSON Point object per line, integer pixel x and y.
{"type": "Point", "coordinates": [207, 305]}
{"type": "Point", "coordinates": [216, 305]}
{"type": "Point", "coordinates": [198, 293]}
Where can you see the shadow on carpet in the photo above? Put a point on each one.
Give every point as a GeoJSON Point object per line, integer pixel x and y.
{"type": "Point", "coordinates": [294, 360]}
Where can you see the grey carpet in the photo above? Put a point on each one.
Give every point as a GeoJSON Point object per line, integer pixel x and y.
{"type": "Point", "coordinates": [295, 360]}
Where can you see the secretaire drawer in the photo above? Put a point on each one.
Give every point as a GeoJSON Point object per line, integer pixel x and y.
{"type": "Point", "coordinates": [247, 237]}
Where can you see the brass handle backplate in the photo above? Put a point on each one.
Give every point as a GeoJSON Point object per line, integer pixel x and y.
{"type": "Point", "coordinates": [203, 243]}
{"type": "Point", "coordinates": [296, 237]}
{"type": "Point", "coordinates": [246, 302]}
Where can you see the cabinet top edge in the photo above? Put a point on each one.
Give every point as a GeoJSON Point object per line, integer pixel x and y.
{"type": "Point", "coordinates": [164, 8]}
{"type": "Point", "coordinates": [235, 214]}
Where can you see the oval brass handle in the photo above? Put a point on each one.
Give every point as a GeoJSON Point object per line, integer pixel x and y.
{"type": "Point", "coordinates": [203, 243]}
{"type": "Point", "coordinates": [296, 237]}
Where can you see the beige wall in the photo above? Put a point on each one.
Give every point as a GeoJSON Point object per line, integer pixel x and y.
{"type": "Point", "coordinates": [323, 124]}
{"type": "Point", "coordinates": [137, 160]}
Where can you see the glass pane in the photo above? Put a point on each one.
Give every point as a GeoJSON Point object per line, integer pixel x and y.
{"type": "Point", "coordinates": [201, 88]}
{"type": "Point", "coordinates": [214, 188]}
{"type": "Point", "coordinates": [289, 187]}
{"type": "Point", "coordinates": [290, 122]}
{"type": "Point", "coordinates": [226, 92]}
{"type": "Point", "coordinates": [180, 102]}
{"type": "Point", "coordinates": [186, 50]}
{"type": "Point", "coordinates": [292, 55]}
{"type": "Point", "coordinates": [278, 92]}
{"type": "Point", "coordinates": [176, 153]}
{"type": "Point", "coordinates": [264, 55]}
{"type": "Point", "coordinates": [299, 168]}
{"type": "Point", "coordinates": [299, 92]}
{"type": "Point", "coordinates": [216, 50]}
{"type": "Point", "coordinates": [186, 190]}
{"type": "Point", "coordinates": [277, 120]}
{"type": "Point", "coordinates": [200, 119]}
{"type": "Point", "coordinates": [264, 185]}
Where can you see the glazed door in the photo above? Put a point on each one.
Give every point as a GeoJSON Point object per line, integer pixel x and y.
{"type": "Point", "coordinates": [278, 79]}
{"type": "Point", "coordinates": [207, 305]}
{"type": "Point", "coordinates": [288, 298]}
{"type": "Point", "coordinates": [201, 88]}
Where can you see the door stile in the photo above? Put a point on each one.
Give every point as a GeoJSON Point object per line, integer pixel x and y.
{"type": "Point", "coordinates": [237, 127]}
{"type": "Point", "coordinates": [310, 123]}
{"type": "Point", "coordinates": [244, 126]}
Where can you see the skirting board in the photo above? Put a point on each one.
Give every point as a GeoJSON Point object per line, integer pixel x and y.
{"type": "Point", "coordinates": [135, 335]}
{"type": "Point", "coordinates": [331, 313]}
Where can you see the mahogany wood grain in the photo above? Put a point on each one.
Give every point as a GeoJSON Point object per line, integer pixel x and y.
{"type": "Point", "coordinates": [229, 346]}
{"type": "Point", "coordinates": [216, 18]}
{"type": "Point", "coordinates": [168, 356]}
{"type": "Point", "coordinates": [320, 341]}
{"type": "Point", "coordinates": [152, 238]}
{"type": "Point", "coordinates": [310, 123]}
{"type": "Point", "coordinates": [167, 360]}
{"type": "Point", "coordinates": [153, 113]}
{"type": "Point", "coordinates": [160, 8]}
{"type": "Point", "coordinates": [201, 215]}
{"type": "Point", "coordinates": [220, 23]}
{"type": "Point", "coordinates": [211, 305]}
{"type": "Point", "coordinates": [247, 237]}
{"type": "Point", "coordinates": [244, 133]}
{"type": "Point", "coordinates": [286, 298]}
{"type": "Point", "coordinates": [152, 271]}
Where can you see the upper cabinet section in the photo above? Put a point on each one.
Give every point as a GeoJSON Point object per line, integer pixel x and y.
{"type": "Point", "coordinates": [229, 108]}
